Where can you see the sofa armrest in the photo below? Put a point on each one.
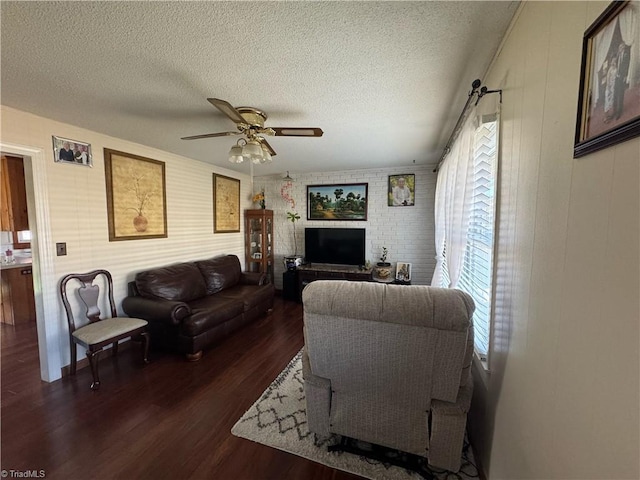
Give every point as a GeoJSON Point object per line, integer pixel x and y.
{"type": "Point", "coordinates": [251, 278]}
{"type": "Point", "coordinates": [156, 310]}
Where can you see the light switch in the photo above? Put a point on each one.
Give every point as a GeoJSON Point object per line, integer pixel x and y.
{"type": "Point", "coordinates": [61, 249]}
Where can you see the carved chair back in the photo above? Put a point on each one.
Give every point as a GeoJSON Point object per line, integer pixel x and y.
{"type": "Point", "coordinates": [89, 295]}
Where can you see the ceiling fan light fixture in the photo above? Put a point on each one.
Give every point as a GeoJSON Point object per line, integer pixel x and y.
{"type": "Point", "coordinates": [252, 150]}
{"type": "Point", "coordinates": [235, 154]}
{"type": "Point", "coordinates": [266, 156]}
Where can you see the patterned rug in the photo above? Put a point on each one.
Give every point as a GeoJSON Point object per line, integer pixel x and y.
{"type": "Point", "coordinates": [278, 419]}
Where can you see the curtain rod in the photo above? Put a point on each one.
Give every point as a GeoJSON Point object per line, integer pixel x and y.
{"type": "Point", "coordinates": [456, 130]}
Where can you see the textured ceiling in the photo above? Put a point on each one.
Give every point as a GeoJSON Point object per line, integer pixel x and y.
{"type": "Point", "coordinates": [385, 80]}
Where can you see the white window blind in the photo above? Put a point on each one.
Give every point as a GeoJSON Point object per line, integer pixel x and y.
{"type": "Point", "coordinates": [466, 196]}
{"type": "Point", "coordinates": [476, 277]}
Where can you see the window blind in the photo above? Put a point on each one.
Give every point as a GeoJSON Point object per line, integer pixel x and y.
{"type": "Point", "coordinates": [476, 277]}
{"type": "Point", "coordinates": [465, 219]}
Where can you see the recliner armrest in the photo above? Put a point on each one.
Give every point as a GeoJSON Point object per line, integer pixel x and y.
{"type": "Point", "coordinates": [251, 278]}
{"type": "Point", "coordinates": [156, 310]}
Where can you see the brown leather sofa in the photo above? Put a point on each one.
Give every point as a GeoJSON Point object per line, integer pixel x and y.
{"type": "Point", "coordinates": [192, 305]}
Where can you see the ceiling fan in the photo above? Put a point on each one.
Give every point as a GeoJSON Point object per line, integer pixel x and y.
{"type": "Point", "coordinates": [250, 123]}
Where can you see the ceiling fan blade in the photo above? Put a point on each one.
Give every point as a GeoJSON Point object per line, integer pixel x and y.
{"type": "Point", "coordinates": [210, 135]}
{"type": "Point", "coordinates": [227, 109]}
{"type": "Point", "coordinates": [298, 132]}
{"type": "Point", "coordinates": [266, 144]}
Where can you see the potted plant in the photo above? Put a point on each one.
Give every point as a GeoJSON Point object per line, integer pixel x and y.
{"type": "Point", "coordinates": [383, 268]}
{"type": "Point", "coordinates": [293, 217]}
{"type": "Point", "coordinates": [383, 258]}
{"type": "Point", "coordinates": [292, 261]}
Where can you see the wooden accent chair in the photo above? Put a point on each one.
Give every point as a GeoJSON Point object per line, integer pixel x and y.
{"type": "Point", "coordinates": [97, 333]}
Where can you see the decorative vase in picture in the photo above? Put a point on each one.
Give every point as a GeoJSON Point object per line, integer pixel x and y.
{"type": "Point", "coordinates": [140, 223]}
{"type": "Point", "coordinates": [143, 198]}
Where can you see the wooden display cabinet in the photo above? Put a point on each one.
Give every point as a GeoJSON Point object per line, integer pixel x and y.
{"type": "Point", "coordinates": [258, 241]}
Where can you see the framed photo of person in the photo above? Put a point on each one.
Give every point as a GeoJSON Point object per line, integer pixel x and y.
{"type": "Point", "coordinates": [401, 191]}
{"type": "Point", "coordinates": [403, 272]}
{"type": "Point", "coordinates": [70, 151]}
{"type": "Point", "coordinates": [609, 96]}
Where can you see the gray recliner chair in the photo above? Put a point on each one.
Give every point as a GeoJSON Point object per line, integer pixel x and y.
{"type": "Point", "coordinates": [389, 365]}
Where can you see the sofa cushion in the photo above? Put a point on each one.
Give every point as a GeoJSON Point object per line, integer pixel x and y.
{"type": "Point", "coordinates": [181, 282]}
{"type": "Point", "coordinates": [207, 312]}
{"type": "Point", "coordinates": [249, 295]}
{"type": "Point", "coordinates": [220, 272]}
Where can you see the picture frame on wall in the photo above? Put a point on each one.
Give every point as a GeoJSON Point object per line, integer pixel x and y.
{"type": "Point", "coordinates": [609, 96]}
{"type": "Point", "coordinates": [136, 196]}
{"type": "Point", "coordinates": [401, 190]}
{"type": "Point", "coordinates": [344, 201]}
{"type": "Point", "coordinates": [226, 204]}
{"type": "Point", "coordinates": [72, 152]}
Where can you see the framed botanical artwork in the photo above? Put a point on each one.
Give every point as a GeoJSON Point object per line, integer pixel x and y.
{"type": "Point", "coordinates": [609, 97]}
{"type": "Point", "coordinates": [401, 190]}
{"type": "Point", "coordinates": [403, 272]}
{"type": "Point", "coordinates": [226, 204]}
{"type": "Point", "coordinates": [72, 152]}
{"type": "Point", "coordinates": [345, 201]}
{"type": "Point", "coordinates": [136, 196]}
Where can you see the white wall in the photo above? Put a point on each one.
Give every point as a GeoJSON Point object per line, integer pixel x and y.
{"type": "Point", "coordinates": [562, 398]}
{"type": "Point", "coordinates": [407, 232]}
{"type": "Point", "coordinates": [71, 204]}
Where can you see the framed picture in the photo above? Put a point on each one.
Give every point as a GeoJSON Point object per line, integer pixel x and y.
{"type": "Point", "coordinates": [346, 201]}
{"type": "Point", "coordinates": [70, 151]}
{"type": "Point", "coordinates": [402, 190]}
{"type": "Point", "coordinates": [403, 272]}
{"type": "Point", "coordinates": [226, 204]}
{"type": "Point", "coordinates": [609, 97]}
{"type": "Point", "coordinates": [136, 196]}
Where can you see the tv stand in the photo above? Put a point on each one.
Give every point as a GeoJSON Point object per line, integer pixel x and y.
{"type": "Point", "coordinates": [311, 272]}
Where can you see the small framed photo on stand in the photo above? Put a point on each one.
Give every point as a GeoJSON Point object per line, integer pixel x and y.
{"type": "Point", "coordinates": [403, 273]}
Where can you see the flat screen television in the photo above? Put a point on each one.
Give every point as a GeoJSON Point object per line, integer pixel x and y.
{"type": "Point", "coordinates": [341, 246]}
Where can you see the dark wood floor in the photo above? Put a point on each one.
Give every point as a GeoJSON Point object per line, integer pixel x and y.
{"type": "Point", "coordinates": [169, 419]}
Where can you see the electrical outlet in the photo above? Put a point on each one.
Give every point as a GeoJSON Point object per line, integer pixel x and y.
{"type": "Point", "coordinates": [61, 249]}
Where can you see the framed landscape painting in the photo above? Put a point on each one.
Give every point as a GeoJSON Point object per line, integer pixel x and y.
{"type": "Point", "coordinates": [609, 96]}
{"type": "Point", "coordinates": [346, 201]}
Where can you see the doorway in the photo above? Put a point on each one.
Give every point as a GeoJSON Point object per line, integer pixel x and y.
{"type": "Point", "coordinates": [20, 356]}
{"type": "Point", "coordinates": [44, 281]}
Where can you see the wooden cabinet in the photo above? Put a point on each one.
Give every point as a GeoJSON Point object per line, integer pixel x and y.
{"type": "Point", "coordinates": [258, 241]}
{"type": "Point", "coordinates": [308, 274]}
{"type": "Point", "coordinates": [18, 305]}
{"type": "Point", "coordinates": [13, 211]}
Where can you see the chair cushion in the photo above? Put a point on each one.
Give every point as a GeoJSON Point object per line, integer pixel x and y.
{"type": "Point", "coordinates": [97, 332]}
{"type": "Point", "coordinates": [220, 272]}
{"type": "Point", "coordinates": [181, 282]}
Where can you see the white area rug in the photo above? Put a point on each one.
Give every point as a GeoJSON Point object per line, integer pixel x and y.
{"type": "Point", "coordinates": [278, 419]}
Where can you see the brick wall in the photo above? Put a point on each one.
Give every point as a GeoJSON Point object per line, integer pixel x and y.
{"type": "Point", "coordinates": [407, 232]}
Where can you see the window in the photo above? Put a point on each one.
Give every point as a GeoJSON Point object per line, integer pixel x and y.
{"type": "Point", "coordinates": [465, 216]}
